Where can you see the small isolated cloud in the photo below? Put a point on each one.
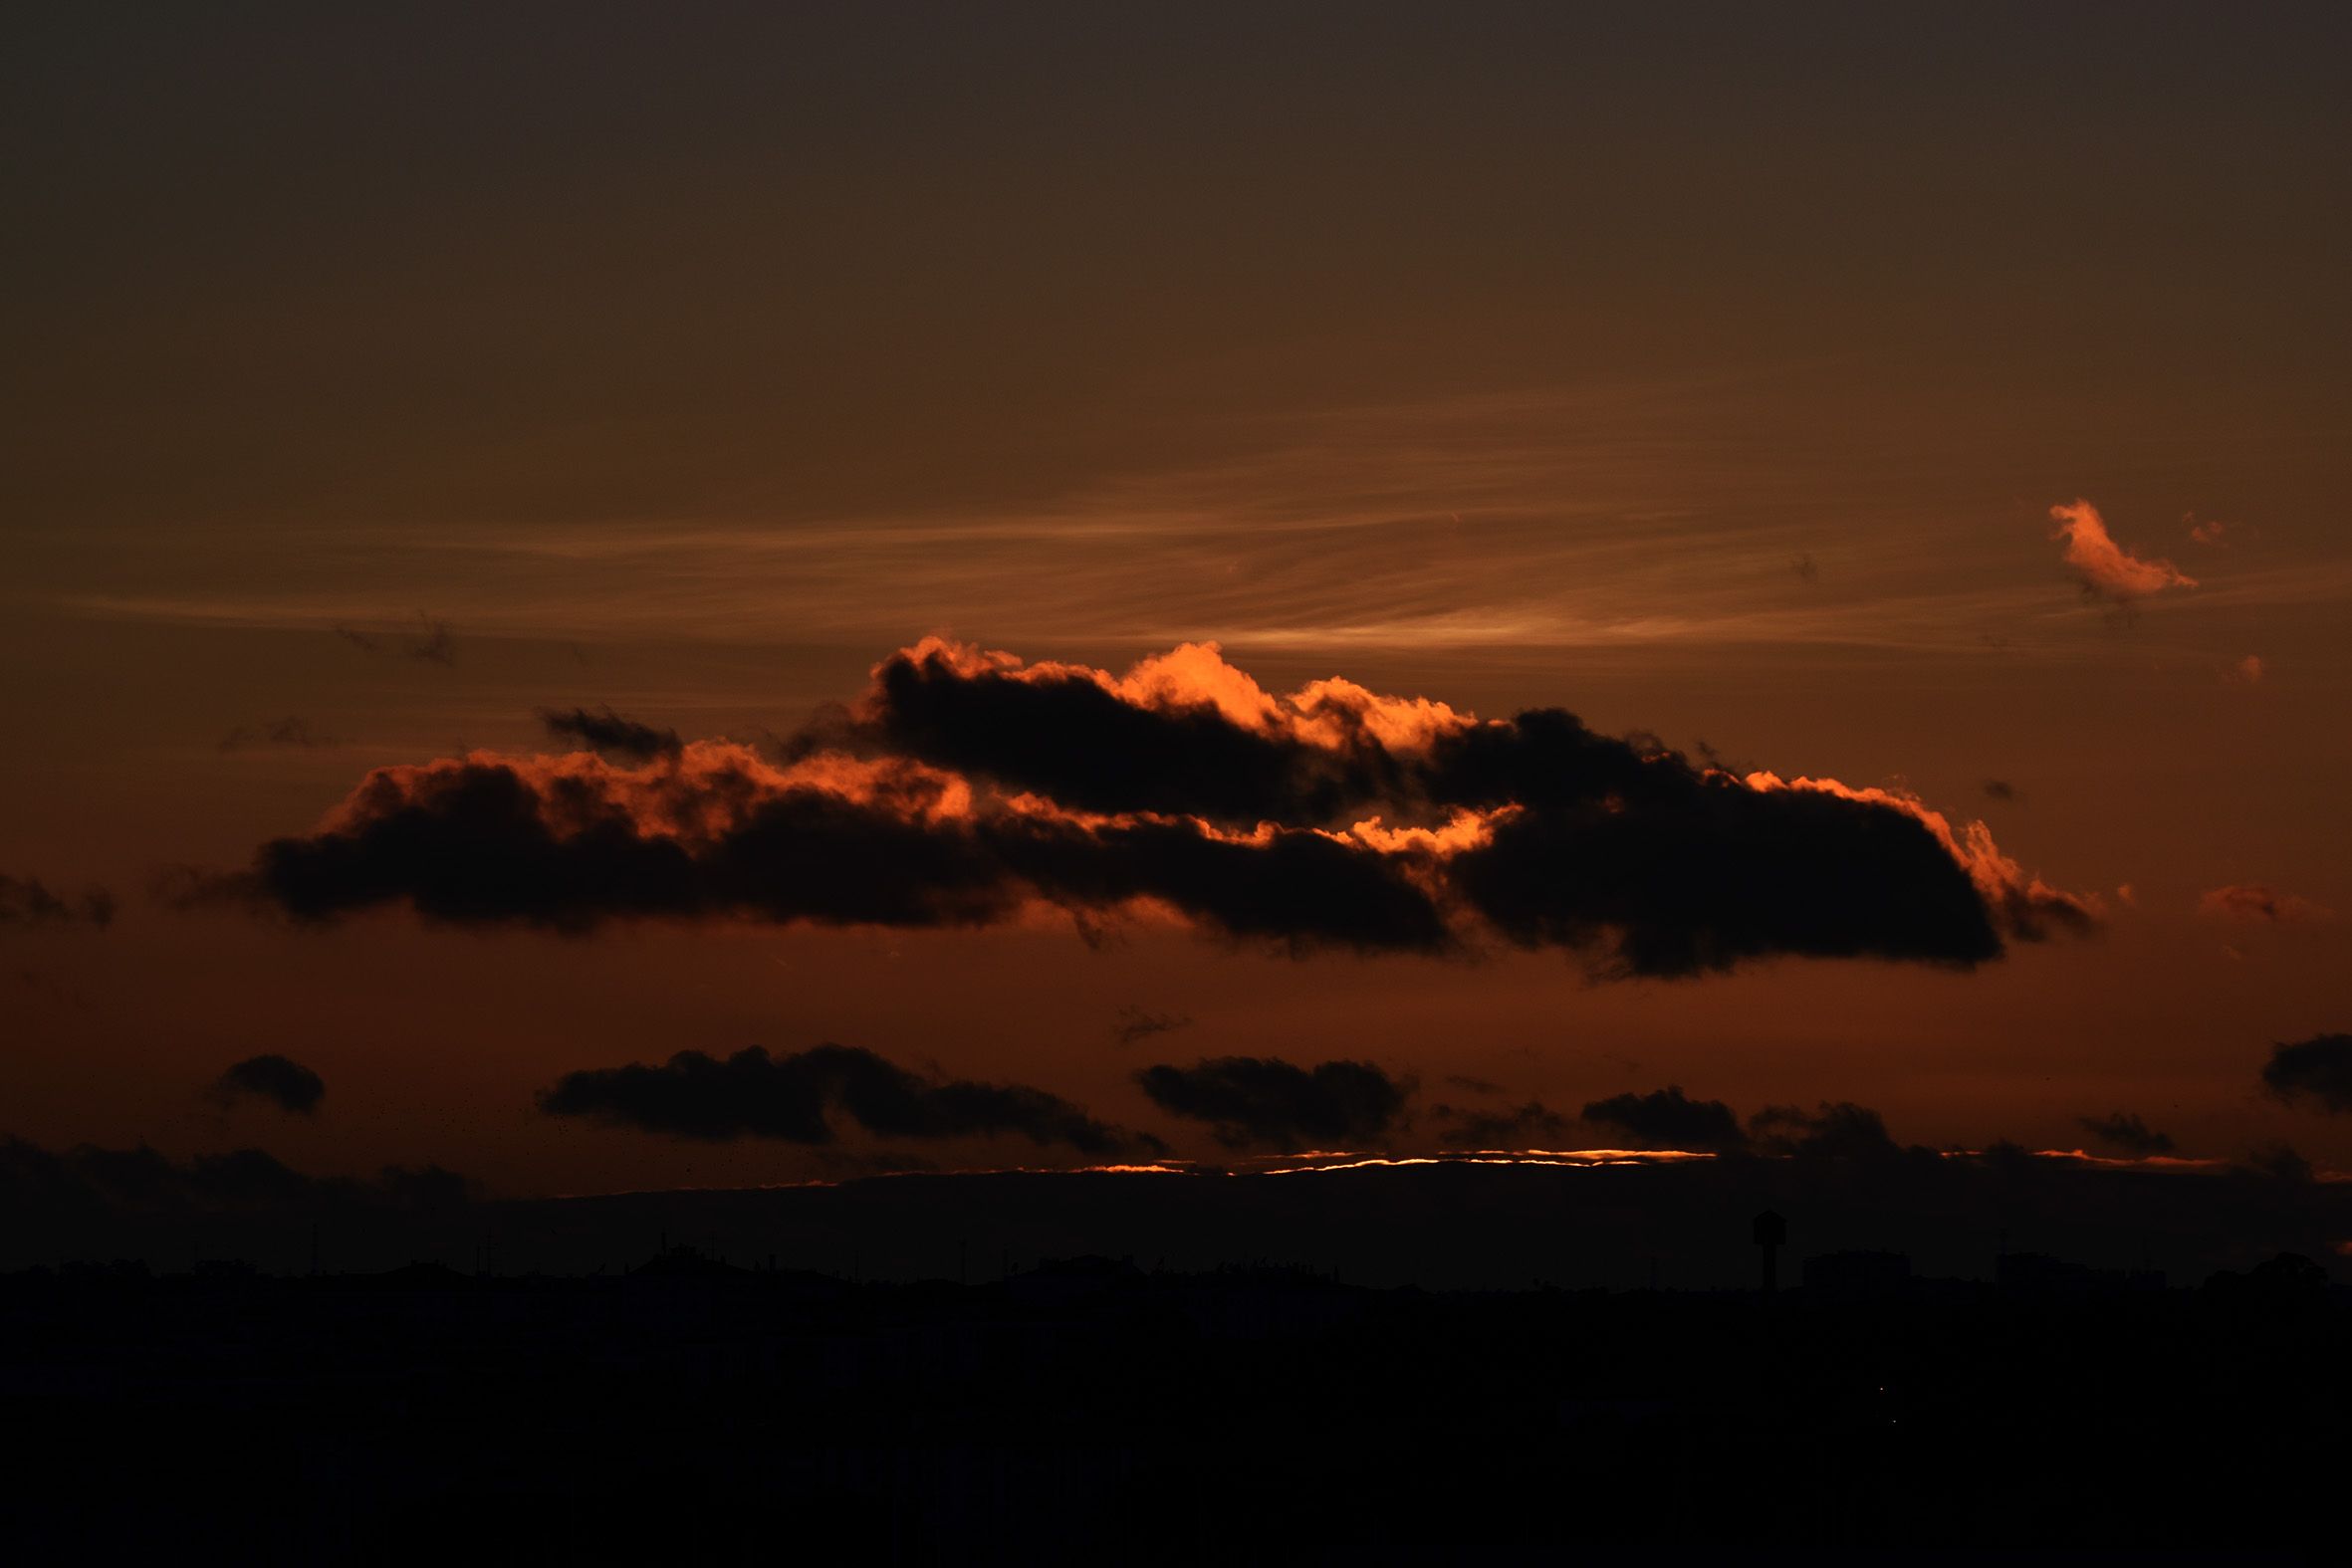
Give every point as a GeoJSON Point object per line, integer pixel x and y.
{"type": "Point", "coordinates": [608, 734]}
{"type": "Point", "coordinates": [1668, 1118]}
{"type": "Point", "coordinates": [1526, 1126]}
{"type": "Point", "coordinates": [2107, 568]}
{"type": "Point", "coordinates": [2000, 789]}
{"type": "Point", "coordinates": [2317, 1071]}
{"type": "Point", "coordinates": [283, 1083]}
{"type": "Point", "coordinates": [2259, 901]}
{"type": "Point", "coordinates": [1252, 1100]}
{"type": "Point", "coordinates": [2245, 672]}
{"type": "Point", "coordinates": [2128, 1133]}
{"type": "Point", "coordinates": [288, 730]}
{"type": "Point", "coordinates": [28, 901]}
{"type": "Point", "coordinates": [1469, 1086]}
{"type": "Point", "coordinates": [1135, 1023]}
{"type": "Point", "coordinates": [2206, 533]}
{"type": "Point", "coordinates": [1839, 1130]}
{"type": "Point", "coordinates": [430, 642]}
{"type": "Point", "coordinates": [795, 1098]}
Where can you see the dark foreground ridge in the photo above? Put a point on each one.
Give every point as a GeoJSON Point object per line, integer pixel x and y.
{"type": "Point", "coordinates": [1091, 1410]}
{"type": "Point", "coordinates": [1402, 1363]}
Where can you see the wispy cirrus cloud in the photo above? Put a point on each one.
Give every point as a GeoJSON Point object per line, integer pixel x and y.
{"type": "Point", "coordinates": [1137, 1023]}
{"type": "Point", "coordinates": [2263, 902]}
{"type": "Point", "coordinates": [29, 901]}
{"type": "Point", "coordinates": [431, 643]}
{"type": "Point", "coordinates": [609, 734]}
{"type": "Point", "coordinates": [1601, 517]}
{"type": "Point", "coordinates": [292, 730]}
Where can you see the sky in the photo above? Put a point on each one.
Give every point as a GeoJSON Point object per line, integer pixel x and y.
{"type": "Point", "coordinates": [1941, 400]}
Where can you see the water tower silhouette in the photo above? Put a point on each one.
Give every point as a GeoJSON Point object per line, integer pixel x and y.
{"type": "Point", "coordinates": [1770, 1230]}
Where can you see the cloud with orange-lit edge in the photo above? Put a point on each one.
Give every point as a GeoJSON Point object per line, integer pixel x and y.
{"type": "Point", "coordinates": [969, 788]}
{"type": "Point", "coordinates": [2106, 569]}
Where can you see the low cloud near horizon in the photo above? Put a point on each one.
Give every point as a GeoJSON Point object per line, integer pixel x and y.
{"type": "Point", "coordinates": [1251, 1101]}
{"type": "Point", "coordinates": [797, 1098]}
{"type": "Point", "coordinates": [2127, 1133]}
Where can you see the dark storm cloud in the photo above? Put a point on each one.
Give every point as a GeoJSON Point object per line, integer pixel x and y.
{"type": "Point", "coordinates": [1615, 844]}
{"type": "Point", "coordinates": [1528, 1126]}
{"type": "Point", "coordinates": [280, 1080]}
{"type": "Point", "coordinates": [2128, 1133]}
{"type": "Point", "coordinates": [1713, 875]}
{"type": "Point", "coordinates": [1668, 1119]}
{"type": "Point", "coordinates": [479, 843]}
{"type": "Point", "coordinates": [795, 1097]}
{"type": "Point", "coordinates": [1839, 1130]}
{"type": "Point", "coordinates": [1135, 1023]}
{"type": "Point", "coordinates": [290, 731]}
{"type": "Point", "coordinates": [607, 732]}
{"type": "Point", "coordinates": [28, 901]}
{"type": "Point", "coordinates": [1065, 736]}
{"type": "Point", "coordinates": [2317, 1071]}
{"type": "Point", "coordinates": [1251, 1100]}
{"type": "Point", "coordinates": [966, 787]}
{"type": "Point", "coordinates": [90, 1181]}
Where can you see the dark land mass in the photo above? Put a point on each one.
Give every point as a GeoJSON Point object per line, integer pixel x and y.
{"type": "Point", "coordinates": [1453, 1225]}
{"type": "Point", "coordinates": [1088, 1410]}
{"type": "Point", "coordinates": [1428, 1363]}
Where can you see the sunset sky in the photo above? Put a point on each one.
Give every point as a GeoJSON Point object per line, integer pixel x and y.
{"type": "Point", "coordinates": [1948, 401]}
